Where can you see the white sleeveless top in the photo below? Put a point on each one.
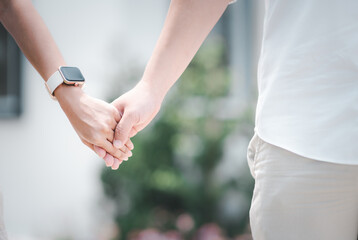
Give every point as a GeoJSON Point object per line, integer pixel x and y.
{"type": "Point", "coordinates": [308, 79]}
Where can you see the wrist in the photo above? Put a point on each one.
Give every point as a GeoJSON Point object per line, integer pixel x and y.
{"type": "Point", "coordinates": [156, 93]}
{"type": "Point", "coordinates": [65, 93]}
{"type": "Point", "coordinates": [61, 82]}
{"type": "Point", "coordinates": [158, 89]}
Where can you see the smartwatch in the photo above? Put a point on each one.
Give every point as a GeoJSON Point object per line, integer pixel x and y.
{"type": "Point", "coordinates": [71, 76]}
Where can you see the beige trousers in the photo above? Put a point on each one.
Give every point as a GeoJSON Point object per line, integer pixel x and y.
{"type": "Point", "coordinates": [3, 235]}
{"type": "Point", "coordinates": [297, 198]}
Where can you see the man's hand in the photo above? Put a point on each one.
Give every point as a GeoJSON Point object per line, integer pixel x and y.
{"type": "Point", "coordinates": [138, 108]}
{"type": "Point", "coordinates": [94, 121]}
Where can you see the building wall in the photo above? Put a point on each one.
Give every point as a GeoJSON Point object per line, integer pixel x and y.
{"type": "Point", "coordinates": [49, 179]}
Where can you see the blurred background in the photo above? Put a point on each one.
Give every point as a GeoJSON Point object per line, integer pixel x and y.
{"type": "Point", "coordinates": [188, 178]}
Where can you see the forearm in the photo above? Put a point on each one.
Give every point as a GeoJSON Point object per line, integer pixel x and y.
{"type": "Point", "coordinates": [92, 119]}
{"type": "Point", "coordinates": [28, 29]}
{"type": "Point", "coordinates": [187, 25]}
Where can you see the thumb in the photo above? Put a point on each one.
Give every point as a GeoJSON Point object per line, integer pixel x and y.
{"type": "Point", "coordinates": [123, 130]}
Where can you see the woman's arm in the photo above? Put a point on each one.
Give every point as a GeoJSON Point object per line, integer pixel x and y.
{"type": "Point", "coordinates": [92, 119]}
{"type": "Point", "coordinates": [24, 23]}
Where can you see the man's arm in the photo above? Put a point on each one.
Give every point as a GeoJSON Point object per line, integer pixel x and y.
{"type": "Point", "coordinates": [187, 25]}
{"type": "Point", "coordinates": [92, 119]}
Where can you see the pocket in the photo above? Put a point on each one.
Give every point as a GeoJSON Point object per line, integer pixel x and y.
{"type": "Point", "coordinates": [252, 153]}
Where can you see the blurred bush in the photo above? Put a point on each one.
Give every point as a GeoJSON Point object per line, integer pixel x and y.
{"type": "Point", "coordinates": [168, 185]}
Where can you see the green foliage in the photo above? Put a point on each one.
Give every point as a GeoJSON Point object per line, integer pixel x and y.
{"type": "Point", "coordinates": [171, 171]}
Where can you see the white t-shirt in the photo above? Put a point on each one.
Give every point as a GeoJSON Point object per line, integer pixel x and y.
{"type": "Point", "coordinates": [308, 79]}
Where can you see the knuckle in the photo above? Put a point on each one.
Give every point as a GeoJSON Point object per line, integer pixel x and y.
{"type": "Point", "coordinates": [110, 121]}
{"type": "Point", "coordinates": [103, 128]}
{"type": "Point", "coordinates": [108, 131]}
{"type": "Point", "coordinates": [115, 112]}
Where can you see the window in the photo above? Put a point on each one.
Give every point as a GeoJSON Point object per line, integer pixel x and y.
{"type": "Point", "coordinates": [10, 94]}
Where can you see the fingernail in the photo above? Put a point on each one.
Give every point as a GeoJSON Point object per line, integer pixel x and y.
{"type": "Point", "coordinates": [130, 154]}
{"type": "Point", "coordinates": [117, 143]}
{"type": "Point", "coordinates": [125, 159]}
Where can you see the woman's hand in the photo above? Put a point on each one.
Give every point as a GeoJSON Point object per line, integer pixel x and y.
{"type": "Point", "coordinates": [94, 121]}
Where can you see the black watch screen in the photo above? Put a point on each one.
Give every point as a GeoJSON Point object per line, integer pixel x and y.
{"type": "Point", "coordinates": [72, 74]}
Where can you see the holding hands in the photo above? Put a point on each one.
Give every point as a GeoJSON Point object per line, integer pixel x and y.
{"type": "Point", "coordinates": [138, 107]}
{"type": "Point", "coordinates": [94, 121]}
{"type": "Point", "coordinates": [187, 25]}
{"type": "Point", "coordinates": [107, 128]}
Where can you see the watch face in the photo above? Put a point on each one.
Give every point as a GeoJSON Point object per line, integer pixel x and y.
{"type": "Point", "coordinates": [72, 74]}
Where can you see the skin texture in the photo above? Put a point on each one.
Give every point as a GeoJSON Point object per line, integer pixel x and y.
{"type": "Point", "coordinates": [93, 120]}
{"type": "Point", "coordinates": [187, 25]}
